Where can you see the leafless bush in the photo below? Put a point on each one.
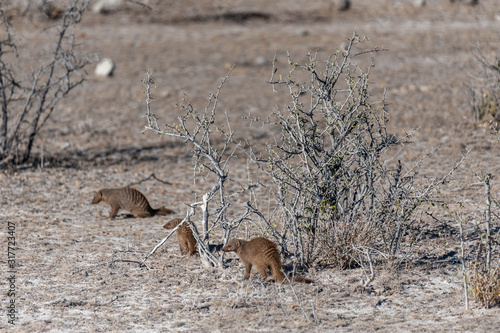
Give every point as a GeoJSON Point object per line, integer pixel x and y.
{"type": "Point", "coordinates": [341, 201]}
{"type": "Point", "coordinates": [28, 101]}
{"type": "Point", "coordinates": [338, 199]}
{"type": "Point", "coordinates": [484, 90]}
{"type": "Point", "coordinates": [211, 143]}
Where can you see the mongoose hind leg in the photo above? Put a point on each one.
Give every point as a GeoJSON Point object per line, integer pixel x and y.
{"type": "Point", "coordinates": [191, 248]}
{"type": "Point", "coordinates": [184, 248]}
{"type": "Point", "coordinates": [263, 271]}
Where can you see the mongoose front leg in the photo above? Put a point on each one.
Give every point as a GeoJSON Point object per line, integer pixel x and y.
{"type": "Point", "coordinates": [113, 213]}
{"type": "Point", "coordinates": [248, 268]}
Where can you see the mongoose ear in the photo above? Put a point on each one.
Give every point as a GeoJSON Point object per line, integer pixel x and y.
{"type": "Point", "coordinates": [237, 243]}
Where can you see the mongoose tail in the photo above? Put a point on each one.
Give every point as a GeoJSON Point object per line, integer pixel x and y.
{"type": "Point", "coordinates": [163, 211]}
{"type": "Point", "coordinates": [302, 279]}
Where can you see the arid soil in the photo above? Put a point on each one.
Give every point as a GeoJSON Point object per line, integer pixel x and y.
{"type": "Point", "coordinates": [78, 272]}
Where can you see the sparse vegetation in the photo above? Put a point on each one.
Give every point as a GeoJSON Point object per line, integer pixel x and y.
{"type": "Point", "coordinates": [74, 268]}
{"type": "Point", "coordinates": [484, 90]}
{"type": "Point", "coordinates": [481, 274]}
{"type": "Point", "coordinates": [28, 100]}
{"type": "Point", "coordinates": [485, 285]}
{"type": "Point", "coordinates": [338, 200]}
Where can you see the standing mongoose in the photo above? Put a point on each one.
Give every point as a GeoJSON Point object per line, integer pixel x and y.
{"type": "Point", "coordinates": [187, 243]}
{"type": "Point", "coordinates": [262, 253]}
{"type": "Point", "coordinates": [129, 199]}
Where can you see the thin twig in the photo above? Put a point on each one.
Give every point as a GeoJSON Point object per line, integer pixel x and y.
{"type": "Point", "coordinates": [151, 176]}
{"type": "Point", "coordinates": [464, 267]}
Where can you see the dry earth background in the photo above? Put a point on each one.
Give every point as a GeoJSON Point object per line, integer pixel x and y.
{"type": "Point", "coordinates": [78, 272]}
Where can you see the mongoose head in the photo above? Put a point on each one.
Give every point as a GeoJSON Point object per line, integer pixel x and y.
{"type": "Point", "coordinates": [172, 223]}
{"type": "Point", "coordinates": [97, 197]}
{"type": "Point", "coordinates": [232, 245]}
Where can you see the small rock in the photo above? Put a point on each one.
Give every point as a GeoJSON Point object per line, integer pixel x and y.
{"type": "Point", "coordinates": [106, 6]}
{"type": "Point", "coordinates": [343, 5]}
{"type": "Point", "coordinates": [343, 46]}
{"type": "Point", "coordinates": [468, 2]}
{"type": "Point", "coordinates": [302, 32]}
{"type": "Point", "coordinates": [104, 68]}
{"type": "Point", "coordinates": [260, 60]}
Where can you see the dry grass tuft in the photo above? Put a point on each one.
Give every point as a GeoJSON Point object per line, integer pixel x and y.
{"type": "Point", "coordinates": [485, 286]}
{"type": "Point", "coordinates": [339, 246]}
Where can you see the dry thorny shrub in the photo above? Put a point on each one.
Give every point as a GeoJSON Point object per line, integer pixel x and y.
{"type": "Point", "coordinates": [337, 197]}
{"type": "Point", "coordinates": [340, 198]}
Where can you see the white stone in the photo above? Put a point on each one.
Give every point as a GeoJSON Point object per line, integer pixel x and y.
{"type": "Point", "coordinates": [302, 32]}
{"type": "Point", "coordinates": [261, 60]}
{"type": "Point", "coordinates": [104, 67]}
{"type": "Point", "coordinates": [103, 6]}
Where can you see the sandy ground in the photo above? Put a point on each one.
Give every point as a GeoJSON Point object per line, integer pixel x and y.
{"type": "Point", "coordinates": [78, 272]}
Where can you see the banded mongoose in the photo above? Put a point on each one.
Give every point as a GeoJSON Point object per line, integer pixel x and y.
{"type": "Point", "coordinates": [262, 253]}
{"type": "Point", "coordinates": [187, 243]}
{"type": "Point", "coordinates": [129, 199]}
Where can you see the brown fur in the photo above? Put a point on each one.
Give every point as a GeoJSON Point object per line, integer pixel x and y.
{"type": "Point", "coordinates": [262, 253]}
{"type": "Point", "coordinates": [128, 199]}
{"type": "Point", "coordinates": [187, 243]}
